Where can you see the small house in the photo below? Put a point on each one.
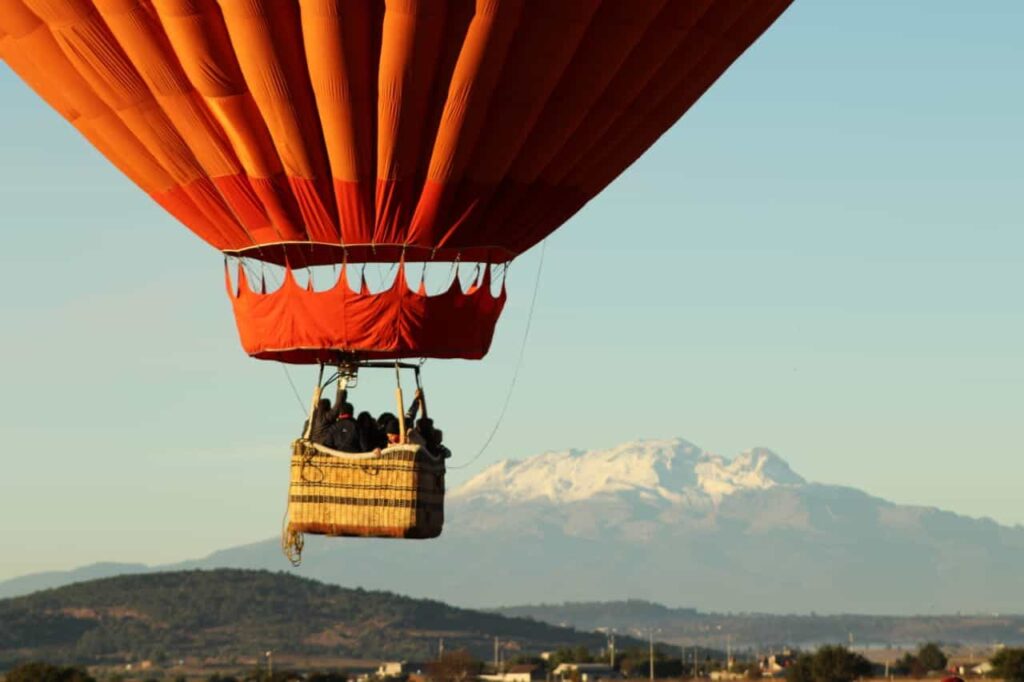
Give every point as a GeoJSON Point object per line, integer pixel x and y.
{"type": "Point", "coordinates": [586, 672]}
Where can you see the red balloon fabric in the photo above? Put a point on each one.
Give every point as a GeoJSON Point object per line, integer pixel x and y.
{"type": "Point", "coordinates": [305, 132]}
{"type": "Point", "coordinates": [296, 324]}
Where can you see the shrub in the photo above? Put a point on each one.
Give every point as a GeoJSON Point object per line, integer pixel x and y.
{"type": "Point", "coordinates": [38, 671]}
{"type": "Point", "coordinates": [1009, 664]}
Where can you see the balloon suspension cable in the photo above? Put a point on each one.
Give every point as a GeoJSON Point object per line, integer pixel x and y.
{"type": "Point", "coordinates": [314, 401]}
{"type": "Point", "coordinates": [400, 400]}
{"type": "Point", "coordinates": [295, 391]}
{"type": "Point", "coordinates": [519, 366]}
{"type": "Point", "coordinates": [292, 542]}
{"type": "Point", "coordinates": [252, 274]}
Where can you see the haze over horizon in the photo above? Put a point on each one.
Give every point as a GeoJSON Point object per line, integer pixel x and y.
{"type": "Point", "coordinates": [824, 257]}
{"type": "Point", "coordinates": [664, 521]}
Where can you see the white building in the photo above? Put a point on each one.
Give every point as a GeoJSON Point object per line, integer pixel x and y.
{"type": "Point", "coordinates": [587, 672]}
{"type": "Point", "coordinates": [776, 664]}
{"type": "Point", "coordinates": [984, 669]}
{"type": "Point", "coordinates": [400, 668]}
{"type": "Point", "coordinates": [517, 673]}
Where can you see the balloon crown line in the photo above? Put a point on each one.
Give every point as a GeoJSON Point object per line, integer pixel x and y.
{"type": "Point", "coordinates": [310, 253]}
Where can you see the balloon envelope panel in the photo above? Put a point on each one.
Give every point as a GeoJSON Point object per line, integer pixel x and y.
{"type": "Point", "coordinates": [425, 128]}
{"type": "Point", "coordinates": [310, 132]}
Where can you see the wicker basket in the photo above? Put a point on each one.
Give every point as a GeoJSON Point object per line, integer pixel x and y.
{"type": "Point", "coordinates": [394, 493]}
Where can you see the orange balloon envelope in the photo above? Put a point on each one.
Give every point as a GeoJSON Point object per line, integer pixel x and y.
{"type": "Point", "coordinates": [312, 132]}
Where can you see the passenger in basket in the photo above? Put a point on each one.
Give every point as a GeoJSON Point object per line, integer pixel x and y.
{"type": "Point", "coordinates": [425, 428]}
{"type": "Point", "coordinates": [416, 437]}
{"type": "Point", "coordinates": [393, 430]}
{"type": "Point", "coordinates": [370, 436]}
{"type": "Point", "coordinates": [343, 434]}
{"type": "Point", "coordinates": [439, 448]}
{"type": "Point", "coordinates": [383, 420]}
{"type": "Point", "coordinates": [417, 401]}
{"type": "Point", "coordinates": [323, 417]}
{"type": "Point", "coordinates": [423, 433]}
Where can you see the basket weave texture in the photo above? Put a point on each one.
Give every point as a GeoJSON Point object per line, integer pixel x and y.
{"type": "Point", "coordinates": [396, 493]}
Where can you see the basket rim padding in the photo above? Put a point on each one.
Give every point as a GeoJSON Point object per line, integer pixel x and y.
{"type": "Point", "coordinates": [402, 447]}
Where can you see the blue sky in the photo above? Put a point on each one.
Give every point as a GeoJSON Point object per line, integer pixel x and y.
{"type": "Point", "coordinates": [824, 257]}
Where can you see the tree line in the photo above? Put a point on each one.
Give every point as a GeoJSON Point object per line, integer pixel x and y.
{"type": "Point", "coordinates": [826, 664]}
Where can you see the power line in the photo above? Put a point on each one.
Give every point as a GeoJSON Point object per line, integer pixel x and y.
{"type": "Point", "coordinates": [519, 365]}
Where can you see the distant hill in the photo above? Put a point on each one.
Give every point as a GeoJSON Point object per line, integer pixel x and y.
{"type": "Point", "coordinates": [34, 582]}
{"type": "Point", "coordinates": [621, 614]}
{"type": "Point", "coordinates": [225, 613]}
{"type": "Point", "coordinates": [766, 631]}
{"type": "Point", "coordinates": [667, 522]}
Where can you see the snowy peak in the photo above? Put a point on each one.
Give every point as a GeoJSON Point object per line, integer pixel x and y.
{"type": "Point", "coordinates": [755, 469]}
{"type": "Point", "coordinates": [673, 470]}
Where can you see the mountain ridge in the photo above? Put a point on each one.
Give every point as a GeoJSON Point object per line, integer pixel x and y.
{"type": "Point", "coordinates": [670, 468]}
{"type": "Point", "coordinates": [665, 521]}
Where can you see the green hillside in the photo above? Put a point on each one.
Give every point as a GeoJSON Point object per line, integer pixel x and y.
{"type": "Point", "coordinates": [226, 613]}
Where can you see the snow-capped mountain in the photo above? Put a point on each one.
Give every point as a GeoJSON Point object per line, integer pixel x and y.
{"type": "Point", "coordinates": [673, 470]}
{"type": "Point", "coordinates": [664, 521]}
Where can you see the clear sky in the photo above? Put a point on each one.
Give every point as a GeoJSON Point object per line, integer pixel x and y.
{"type": "Point", "coordinates": [824, 257]}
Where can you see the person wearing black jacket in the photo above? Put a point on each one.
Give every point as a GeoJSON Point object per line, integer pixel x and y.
{"type": "Point", "coordinates": [343, 435]}
{"type": "Point", "coordinates": [417, 402]}
{"type": "Point", "coordinates": [370, 435]}
{"type": "Point", "coordinates": [323, 417]}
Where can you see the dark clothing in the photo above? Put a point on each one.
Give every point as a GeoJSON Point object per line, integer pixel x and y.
{"type": "Point", "coordinates": [431, 438]}
{"type": "Point", "coordinates": [366, 427]}
{"type": "Point", "coordinates": [426, 428]}
{"type": "Point", "coordinates": [322, 422]}
{"type": "Point", "coordinates": [435, 440]}
{"type": "Point", "coordinates": [343, 436]}
{"type": "Point", "coordinates": [416, 438]}
{"type": "Point", "coordinates": [384, 419]}
{"type": "Point", "coordinates": [371, 437]}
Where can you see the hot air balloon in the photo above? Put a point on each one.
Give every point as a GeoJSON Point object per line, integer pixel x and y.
{"type": "Point", "coordinates": [303, 133]}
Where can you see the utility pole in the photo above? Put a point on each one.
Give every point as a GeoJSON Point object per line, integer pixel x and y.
{"type": "Point", "coordinates": [440, 649]}
{"type": "Point", "coordinates": [495, 655]}
{"type": "Point", "coordinates": [651, 641]}
{"type": "Point", "coordinates": [611, 650]}
{"type": "Point", "coordinates": [270, 665]}
{"type": "Point", "coordinates": [728, 653]}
